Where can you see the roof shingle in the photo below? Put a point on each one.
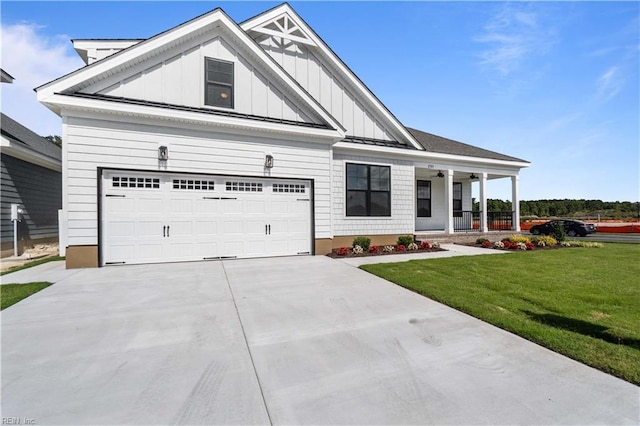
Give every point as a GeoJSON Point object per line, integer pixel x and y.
{"type": "Point", "coordinates": [18, 133]}
{"type": "Point", "coordinates": [438, 144]}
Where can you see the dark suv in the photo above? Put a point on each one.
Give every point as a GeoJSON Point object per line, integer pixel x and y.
{"type": "Point", "coordinates": [572, 227]}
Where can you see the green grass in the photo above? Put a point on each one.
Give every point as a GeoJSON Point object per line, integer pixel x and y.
{"type": "Point", "coordinates": [580, 302]}
{"type": "Point", "coordinates": [11, 294]}
{"type": "Point", "coordinates": [32, 264]}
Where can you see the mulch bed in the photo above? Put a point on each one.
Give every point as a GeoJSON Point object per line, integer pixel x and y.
{"type": "Point", "coordinates": [335, 255]}
{"type": "Point", "coordinates": [556, 247]}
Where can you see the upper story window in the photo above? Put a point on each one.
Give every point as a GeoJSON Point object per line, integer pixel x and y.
{"type": "Point", "coordinates": [368, 190]}
{"type": "Point", "coordinates": [219, 83]}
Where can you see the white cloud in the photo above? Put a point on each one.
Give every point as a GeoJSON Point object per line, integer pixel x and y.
{"type": "Point", "coordinates": [512, 36]}
{"type": "Point", "coordinates": [33, 59]}
{"type": "Point", "coordinates": [610, 83]}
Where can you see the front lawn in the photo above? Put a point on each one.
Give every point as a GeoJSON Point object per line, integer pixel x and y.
{"type": "Point", "coordinates": [580, 302]}
{"type": "Point", "coordinates": [11, 294]}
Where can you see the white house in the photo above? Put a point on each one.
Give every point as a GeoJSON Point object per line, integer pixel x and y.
{"type": "Point", "coordinates": [215, 139]}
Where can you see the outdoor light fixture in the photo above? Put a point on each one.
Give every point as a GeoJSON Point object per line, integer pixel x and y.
{"type": "Point", "coordinates": [163, 153]}
{"type": "Point", "coordinates": [473, 176]}
{"type": "Point", "coordinates": [440, 174]}
{"type": "Point", "coordinates": [268, 161]}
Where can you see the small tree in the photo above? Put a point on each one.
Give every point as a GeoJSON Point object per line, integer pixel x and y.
{"type": "Point", "coordinates": [557, 232]}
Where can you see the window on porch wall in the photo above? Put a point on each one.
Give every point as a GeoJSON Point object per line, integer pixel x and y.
{"type": "Point", "coordinates": [457, 199]}
{"type": "Point", "coordinates": [423, 202]}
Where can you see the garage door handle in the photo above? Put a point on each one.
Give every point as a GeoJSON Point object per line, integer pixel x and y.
{"type": "Point", "coordinates": [228, 198]}
{"type": "Point", "coordinates": [265, 230]}
{"type": "Point", "coordinates": [269, 229]}
{"type": "Point", "coordinates": [168, 230]}
{"type": "Point", "coordinates": [164, 231]}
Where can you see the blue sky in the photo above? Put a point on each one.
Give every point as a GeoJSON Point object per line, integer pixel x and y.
{"type": "Point", "coordinates": [555, 83]}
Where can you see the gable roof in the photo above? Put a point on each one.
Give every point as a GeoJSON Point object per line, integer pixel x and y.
{"type": "Point", "coordinates": [5, 77]}
{"type": "Point", "coordinates": [19, 142]}
{"type": "Point", "coordinates": [303, 33]}
{"type": "Point", "coordinates": [438, 144]}
{"type": "Point", "coordinates": [143, 50]}
{"type": "Point", "coordinates": [18, 133]}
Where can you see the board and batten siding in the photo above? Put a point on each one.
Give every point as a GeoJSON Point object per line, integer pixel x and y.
{"type": "Point", "coordinates": [327, 88]}
{"type": "Point", "coordinates": [38, 190]}
{"type": "Point", "coordinates": [93, 143]}
{"type": "Point", "coordinates": [402, 218]}
{"type": "Point", "coordinates": [177, 77]}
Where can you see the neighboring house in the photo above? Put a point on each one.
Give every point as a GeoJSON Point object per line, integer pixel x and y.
{"type": "Point", "coordinates": [215, 140]}
{"type": "Point", "coordinates": [31, 178]}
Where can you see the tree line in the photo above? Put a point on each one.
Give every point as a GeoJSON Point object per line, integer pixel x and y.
{"type": "Point", "coordinates": [568, 208]}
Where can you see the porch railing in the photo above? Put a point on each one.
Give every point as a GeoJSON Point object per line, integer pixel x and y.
{"type": "Point", "coordinates": [465, 220]}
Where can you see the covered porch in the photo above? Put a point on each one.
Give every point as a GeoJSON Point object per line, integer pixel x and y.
{"type": "Point", "coordinates": [445, 201]}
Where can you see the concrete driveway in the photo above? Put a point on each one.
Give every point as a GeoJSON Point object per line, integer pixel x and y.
{"type": "Point", "coordinates": [305, 340]}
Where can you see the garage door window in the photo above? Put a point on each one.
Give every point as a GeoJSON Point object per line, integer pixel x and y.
{"type": "Point", "coordinates": [244, 186]}
{"type": "Point", "coordinates": [289, 187]}
{"type": "Point", "coordinates": [135, 182]}
{"type": "Point", "coordinates": [207, 185]}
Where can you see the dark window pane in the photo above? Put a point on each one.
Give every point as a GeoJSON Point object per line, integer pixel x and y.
{"type": "Point", "coordinates": [380, 205]}
{"type": "Point", "coordinates": [356, 203]}
{"type": "Point", "coordinates": [424, 208]}
{"type": "Point", "coordinates": [357, 177]}
{"type": "Point", "coordinates": [379, 178]}
{"type": "Point", "coordinates": [457, 191]}
{"type": "Point", "coordinates": [424, 189]}
{"type": "Point", "coordinates": [219, 95]}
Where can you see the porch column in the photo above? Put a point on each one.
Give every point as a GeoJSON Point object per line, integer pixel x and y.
{"type": "Point", "coordinates": [448, 202]}
{"type": "Point", "coordinates": [483, 203]}
{"type": "Point", "coordinates": [515, 203]}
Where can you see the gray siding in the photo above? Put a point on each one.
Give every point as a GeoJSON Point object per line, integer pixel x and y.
{"type": "Point", "coordinates": [38, 190]}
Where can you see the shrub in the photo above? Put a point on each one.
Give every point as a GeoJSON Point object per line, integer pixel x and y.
{"type": "Point", "coordinates": [387, 249]}
{"type": "Point", "coordinates": [519, 239]}
{"type": "Point", "coordinates": [412, 246]}
{"type": "Point", "coordinates": [530, 246]}
{"type": "Point", "coordinates": [486, 243]}
{"type": "Point", "coordinates": [547, 240]}
{"type": "Point", "coordinates": [498, 244]}
{"type": "Point", "coordinates": [374, 249]}
{"type": "Point", "coordinates": [424, 245]}
{"type": "Point", "coordinates": [405, 240]}
{"type": "Point", "coordinates": [557, 232]}
{"type": "Point", "coordinates": [363, 242]}
{"type": "Point", "coordinates": [481, 240]}
{"type": "Point", "coordinates": [435, 245]}
{"type": "Point", "coordinates": [358, 250]}
{"type": "Point", "coordinates": [342, 251]}
{"type": "Point", "coordinates": [401, 247]}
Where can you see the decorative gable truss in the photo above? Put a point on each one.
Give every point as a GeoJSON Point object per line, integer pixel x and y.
{"type": "Point", "coordinates": [304, 55]}
{"type": "Point", "coordinates": [165, 77]}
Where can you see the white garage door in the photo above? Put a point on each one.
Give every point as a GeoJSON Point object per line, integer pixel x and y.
{"type": "Point", "coordinates": [149, 218]}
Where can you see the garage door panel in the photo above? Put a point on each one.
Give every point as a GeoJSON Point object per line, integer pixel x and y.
{"type": "Point", "coordinates": [207, 217]}
{"type": "Point", "coordinates": [122, 229]}
{"type": "Point", "coordinates": [120, 205]}
{"type": "Point", "coordinates": [148, 228]}
{"type": "Point", "coordinates": [149, 205]}
{"type": "Point", "coordinates": [206, 206]}
{"type": "Point", "coordinates": [207, 229]}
